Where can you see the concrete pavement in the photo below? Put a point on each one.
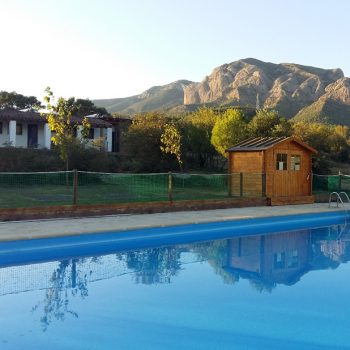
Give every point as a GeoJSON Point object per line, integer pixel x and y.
{"type": "Point", "coordinates": [18, 230]}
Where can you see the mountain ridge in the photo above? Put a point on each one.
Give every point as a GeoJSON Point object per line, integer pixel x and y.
{"type": "Point", "coordinates": [294, 90]}
{"type": "Point", "coordinates": [156, 97]}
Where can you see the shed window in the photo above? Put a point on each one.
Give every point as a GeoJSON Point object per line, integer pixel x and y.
{"type": "Point", "coordinates": [279, 260]}
{"type": "Point", "coordinates": [293, 259]}
{"type": "Point", "coordinates": [281, 161]}
{"type": "Point", "coordinates": [0, 128]}
{"type": "Point", "coordinates": [19, 129]}
{"type": "Point", "coordinates": [295, 162]}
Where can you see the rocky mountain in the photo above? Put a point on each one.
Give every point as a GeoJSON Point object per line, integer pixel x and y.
{"type": "Point", "coordinates": [285, 87]}
{"type": "Point", "coordinates": [155, 98]}
{"type": "Point", "coordinates": [303, 92]}
{"type": "Point", "coordinates": [332, 107]}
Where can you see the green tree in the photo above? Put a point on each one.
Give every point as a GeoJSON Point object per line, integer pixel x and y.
{"type": "Point", "coordinates": [228, 130]}
{"type": "Point", "coordinates": [59, 118]}
{"type": "Point", "coordinates": [171, 142]}
{"type": "Point", "coordinates": [13, 100]}
{"type": "Point", "coordinates": [340, 142]}
{"type": "Point", "coordinates": [87, 107]}
{"type": "Point", "coordinates": [198, 127]}
{"type": "Point", "coordinates": [284, 128]}
{"type": "Point", "coordinates": [268, 124]}
{"type": "Point", "coordinates": [315, 134]}
{"type": "Point", "coordinates": [142, 143]}
{"type": "Point", "coordinates": [330, 139]}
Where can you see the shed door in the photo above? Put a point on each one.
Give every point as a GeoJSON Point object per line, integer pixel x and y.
{"type": "Point", "coordinates": [296, 174]}
{"type": "Point", "coordinates": [281, 178]}
{"type": "Point", "coordinates": [300, 173]}
{"type": "Point", "coordinates": [291, 174]}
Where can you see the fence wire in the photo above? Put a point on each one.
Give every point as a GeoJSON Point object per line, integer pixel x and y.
{"type": "Point", "coordinates": [57, 188]}
{"type": "Point", "coordinates": [36, 189]}
{"type": "Point", "coordinates": [106, 188]}
{"type": "Point", "coordinates": [330, 183]}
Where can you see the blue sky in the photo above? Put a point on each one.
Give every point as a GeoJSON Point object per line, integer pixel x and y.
{"type": "Point", "coordinates": [104, 49]}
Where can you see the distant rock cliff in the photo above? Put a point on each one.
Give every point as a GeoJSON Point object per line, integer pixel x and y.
{"type": "Point", "coordinates": [332, 107]}
{"type": "Point", "coordinates": [284, 87]}
{"type": "Point", "coordinates": [306, 93]}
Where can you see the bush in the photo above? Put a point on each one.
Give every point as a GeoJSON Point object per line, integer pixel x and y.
{"type": "Point", "coordinates": [14, 159]}
{"type": "Point", "coordinates": [25, 160]}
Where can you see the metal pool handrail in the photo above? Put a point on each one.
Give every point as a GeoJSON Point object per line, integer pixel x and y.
{"type": "Point", "coordinates": [346, 196]}
{"type": "Point", "coordinates": [338, 197]}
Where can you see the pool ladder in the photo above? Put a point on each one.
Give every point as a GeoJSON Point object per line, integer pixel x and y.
{"type": "Point", "coordinates": [338, 197]}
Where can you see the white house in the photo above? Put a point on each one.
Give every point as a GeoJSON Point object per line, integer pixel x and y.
{"type": "Point", "coordinates": [31, 130]}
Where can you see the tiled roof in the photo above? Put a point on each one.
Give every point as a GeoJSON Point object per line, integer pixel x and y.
{"type": "Point", "coordinates": [34, 117]}
{"type": "Point", "coordinates": [94, 122]}
{"type": "Point", "coordinates": [13, 114]}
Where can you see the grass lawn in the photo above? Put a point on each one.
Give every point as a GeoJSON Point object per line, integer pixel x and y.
{"type": "Point", "coordinates": [48, 195]}
{"type": "Point", "coordinates": [35, 196]}
{"type": "Point", "coordinates": [48, 190]}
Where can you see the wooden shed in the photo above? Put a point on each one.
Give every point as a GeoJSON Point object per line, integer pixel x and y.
{"type": "Point", "coordinates": [276, 167]}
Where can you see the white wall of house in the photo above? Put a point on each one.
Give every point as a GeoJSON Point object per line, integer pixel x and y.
{"type": "Point", "coordinates": [4, 136]}
{"type": "Point", "coordinates": [98, 134]}
{"type": "Point", "coordinates": [22, 140]}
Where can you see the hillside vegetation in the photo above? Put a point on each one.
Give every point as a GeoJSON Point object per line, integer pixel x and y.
{"type": "Point", "coordinates": [155, 98]}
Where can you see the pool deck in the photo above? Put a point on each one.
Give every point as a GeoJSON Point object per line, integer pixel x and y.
{"type": "Point", "coordinates": [20, 230]}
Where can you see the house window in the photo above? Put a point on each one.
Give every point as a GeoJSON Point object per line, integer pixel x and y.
{"type": "Point", "coordinates": [0, 128]}
{"type": "Point", "coordinates": [281, 161]}
{"type": "Point", "coordinates": [19, 129]}
{"type": "Point", "coordinates": [91, 133]}
{"type": "Point", "coordinates": [295, 162]}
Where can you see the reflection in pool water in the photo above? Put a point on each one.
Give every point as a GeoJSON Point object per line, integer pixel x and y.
{"type": "Point", "coordinates": [282, 290]}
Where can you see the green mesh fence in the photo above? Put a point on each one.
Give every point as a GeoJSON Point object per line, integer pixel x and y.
{"type": "Point", "coordinates": [199, 186]}
{"type": "Point", "coordinates": [57, 188]}
{"type": "Point", "coordinates": [35, 189]}
{"type": "Point", "coordinates": [330, 183]}
{"type": "Point", "coordinates": [107, 188]}
{"type": "Point", "coordinates": [345, 183]}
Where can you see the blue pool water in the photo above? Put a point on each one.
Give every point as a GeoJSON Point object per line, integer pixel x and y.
{"type": "Point", "coordinates": [256, 290]}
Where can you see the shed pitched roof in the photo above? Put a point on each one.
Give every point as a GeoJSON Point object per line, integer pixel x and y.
{"type": "Point", "coordinates": [263, 143]}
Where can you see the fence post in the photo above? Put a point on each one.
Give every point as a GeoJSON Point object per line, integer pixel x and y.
{"type": "Point", "coordinates": [241, 184]}
{"type": "Point", "coordinates": [339, 184]}
{"type": "Point", "coordinates": [263, 185]}
{"type": "Point", "coordinates": [229, 185]}
{"type": "Point", "coordinates": [75, 186]}
{"type": "Point", "coordinates": [170, 187]}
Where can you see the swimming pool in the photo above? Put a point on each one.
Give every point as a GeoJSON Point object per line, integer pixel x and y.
{"type": "Point", "coordinates": [177, 288]}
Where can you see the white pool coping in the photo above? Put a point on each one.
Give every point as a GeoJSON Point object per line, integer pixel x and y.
{"type": "Point", "coordinates": [31, 229]}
